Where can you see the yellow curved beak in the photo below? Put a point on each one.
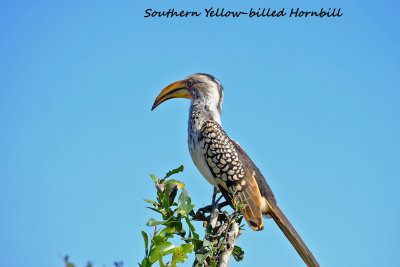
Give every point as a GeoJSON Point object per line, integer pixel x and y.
{"type": "Point", "coordinates": [174, 90]}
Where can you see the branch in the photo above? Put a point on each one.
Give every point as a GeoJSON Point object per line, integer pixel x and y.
{"type": "Point", "coordinates": [233, 235]}
{"type": "Point", "coordinates": [214, 211]}
{"type": "Point", "coordinates": [224, 230]}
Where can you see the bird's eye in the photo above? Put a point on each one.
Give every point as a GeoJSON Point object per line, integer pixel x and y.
{"type": "Point", "coordinates": [190, 82]}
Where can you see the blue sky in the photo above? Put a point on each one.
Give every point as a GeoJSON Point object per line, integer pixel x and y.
{"type": "Point", "coordinates": [314, 102]}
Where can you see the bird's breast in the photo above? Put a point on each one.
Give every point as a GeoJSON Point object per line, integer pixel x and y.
{"type": "Point", "coordinates": [199, 158]}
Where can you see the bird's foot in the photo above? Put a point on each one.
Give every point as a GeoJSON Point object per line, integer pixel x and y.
{"type": "Point", "coordinates": [209, 208]}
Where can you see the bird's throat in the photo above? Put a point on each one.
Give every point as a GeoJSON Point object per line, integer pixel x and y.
{"type": "Point", "coordinates": [199, 113]}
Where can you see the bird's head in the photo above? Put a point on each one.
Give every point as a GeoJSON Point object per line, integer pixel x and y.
{"type": "Point", "coordinates": [197, 87]}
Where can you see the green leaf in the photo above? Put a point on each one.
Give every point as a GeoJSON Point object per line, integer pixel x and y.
{"type": "Point", "coordinates": [154, 178]}
{"type": "Point", "coordinates": [240, 206]}
{"type": "Point", "coordinates": [153, 222]}
{"type": "Point", "coordinates": [160, 260]}
{"type": "Point", "coordinates": [165, 200]}
{"type": "Point", "coordinates": [160, 210]}
{"type": "Point", "coordinates": [213, 264]}
{"type": "Point", "coordinates": [146, 242]}
{"type": "Point", "coordinates": [180, 253]}
{"type": "Point", "coordinates": [207, 242]}
{"type": "Point", "coordinates": [166, 231]}
{"type": "Point", "coordinates": [191, 227]}
{"type": "Point", "coordinates": [184, 203]}
{"type": "Point", "coordinates": [177, 225]}
{"type": "Point", "coordinates": [173, 182]}
{"type": "Point", "coordinates": [163, 249]}
{"type": "Point", "coordinates": [238, 253]}
{"type": "Point", "coordinates": [177, 170]}
{"type": "Point", "coordinates": [172, 194]}
{"type": "Point", "coordinates": [145, 263]}
{"type": "Point", "coordinates": [202, 257]}
{"type": "Point", "coordinates": [198, 244]}
{"type": "Point", "coordinates": [149, 201]}
{"type": "Point", "coordinates": [159, 239]}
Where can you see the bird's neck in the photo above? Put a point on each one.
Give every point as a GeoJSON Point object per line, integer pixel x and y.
{"type": "Point", "coordinates": [200, 112]}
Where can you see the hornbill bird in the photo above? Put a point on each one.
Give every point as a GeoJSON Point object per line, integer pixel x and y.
{"type": "Point", "coordinates": [223, 162]}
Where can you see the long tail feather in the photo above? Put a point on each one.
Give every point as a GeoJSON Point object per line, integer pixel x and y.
{"type": "Point", "coordinates": [292, 236]}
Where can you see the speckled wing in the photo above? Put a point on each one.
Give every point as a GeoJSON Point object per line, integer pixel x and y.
{"type": "Point", "coordinates": [232, 174]}
{"type": "Point", "coordinates": [264, 188]}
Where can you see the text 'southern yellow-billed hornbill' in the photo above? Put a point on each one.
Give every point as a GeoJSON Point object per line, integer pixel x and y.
{"type": "Point", "coordinates": [223, 162]}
